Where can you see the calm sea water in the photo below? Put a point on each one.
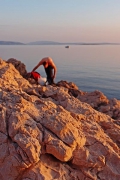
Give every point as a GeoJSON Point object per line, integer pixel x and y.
{"type": "Point", "coordinates": [89, 67]}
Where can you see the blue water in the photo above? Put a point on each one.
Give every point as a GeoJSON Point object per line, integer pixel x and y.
{"type": "Point", "coordinates": [89, 67]}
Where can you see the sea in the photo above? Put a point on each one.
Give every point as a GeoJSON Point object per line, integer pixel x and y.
{"type": "Point", "coordinates": [90, 67]}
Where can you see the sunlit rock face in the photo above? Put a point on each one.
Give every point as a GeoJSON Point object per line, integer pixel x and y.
{"type": "Point", "coordinates": [56, 132]}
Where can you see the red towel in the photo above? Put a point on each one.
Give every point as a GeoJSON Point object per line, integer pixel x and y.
{"type": "Point", "coordinates": [35, 75]}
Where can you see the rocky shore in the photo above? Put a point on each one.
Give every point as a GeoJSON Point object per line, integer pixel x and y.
{"type": "Point", "coordinates": [55, 132]}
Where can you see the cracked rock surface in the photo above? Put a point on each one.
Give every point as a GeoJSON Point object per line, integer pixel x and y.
{"type": "Point", "coordinates": [58, 132]}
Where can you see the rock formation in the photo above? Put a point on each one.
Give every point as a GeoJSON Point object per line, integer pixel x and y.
{"type": "Point", "coordinates": [59, 132]}
{"type": "Point", "coordinates": [19, 66]}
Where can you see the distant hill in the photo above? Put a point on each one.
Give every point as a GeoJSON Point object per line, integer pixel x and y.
{"type": "Point", "coordinates": [10, 43]}
{"type": "Point", "coordinates": [54, 43]}
{"type": "Point", "coordinates": [44, 43]}
{"type": "Point", "coordinates": [67, 43]}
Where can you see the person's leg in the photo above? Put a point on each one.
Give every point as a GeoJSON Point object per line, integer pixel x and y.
{"type": "Point", "coordinates": [49, 74]}
{"type": "Point", "coordinates": [50, 80]}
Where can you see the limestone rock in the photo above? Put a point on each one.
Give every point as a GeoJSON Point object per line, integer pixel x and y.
{"type": "Point", "coordinates": [18, 65]}
{"type": "Point", "coordinates": [96, 99]}
{"type": "Point", "coordinates": [67, 85]}
{"type": "Point", "coordinates": [56, 132]}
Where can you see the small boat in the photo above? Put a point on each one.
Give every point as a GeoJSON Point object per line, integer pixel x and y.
{"type": "Point", "coordinates": [66, 46]}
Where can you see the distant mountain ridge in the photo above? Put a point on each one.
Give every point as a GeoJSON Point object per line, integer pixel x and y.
{"type": "Point", "coordinates": [44, 43]}
{"type": "Point", "coordinates": [54, 43]}
{"type": "Point", "coordinates": [10, 43]}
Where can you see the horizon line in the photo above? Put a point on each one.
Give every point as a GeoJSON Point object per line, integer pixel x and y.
{"type": "Point", "coordinates": [49, 41]}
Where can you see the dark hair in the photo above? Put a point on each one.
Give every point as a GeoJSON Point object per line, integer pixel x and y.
{"type": "Point", "coordinates": [44, 63]}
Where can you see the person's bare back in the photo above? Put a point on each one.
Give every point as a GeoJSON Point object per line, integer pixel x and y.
{"type": "Point", "coordinates": [47, 60]}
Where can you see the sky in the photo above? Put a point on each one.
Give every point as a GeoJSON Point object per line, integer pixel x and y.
{"type": "Point", "coordinates": [60, 20]}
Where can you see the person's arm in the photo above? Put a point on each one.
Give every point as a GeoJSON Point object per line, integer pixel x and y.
{"type": "Point", "coordinates": [39, 64]}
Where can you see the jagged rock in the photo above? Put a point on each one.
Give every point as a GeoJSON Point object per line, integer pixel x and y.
{"type": "Point", "coordinates": [96, 99]}
{"type": "Point", "coordinates": [56, 132]}
{"type": "Point", "coordinates": [67, 84]}
{"type": "Point", "coordinates": [1, 60]}
{"type": "Point", "coordinates": [18, 65]}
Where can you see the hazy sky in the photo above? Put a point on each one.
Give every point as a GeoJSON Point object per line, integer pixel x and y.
{"type": "Point", "coordinates": [60, 20]}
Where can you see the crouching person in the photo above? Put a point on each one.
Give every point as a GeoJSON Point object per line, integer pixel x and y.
{"type": "Point", "coordinates": [50, 69]}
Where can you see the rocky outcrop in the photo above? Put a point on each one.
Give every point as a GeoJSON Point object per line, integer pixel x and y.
{"type": "Point", "coordinates": [19, 66]}
{"type": "Point", "coordinates": [96, 99]}
{"type": "Point", "coordinates": [55, 132]}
